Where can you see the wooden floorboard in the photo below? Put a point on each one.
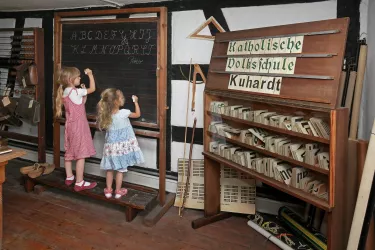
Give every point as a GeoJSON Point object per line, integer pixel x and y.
{"type": "Point", "coordinates": [57, 219]}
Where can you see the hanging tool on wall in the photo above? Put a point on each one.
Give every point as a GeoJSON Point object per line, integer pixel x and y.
{"type": "Point", "coordinates": [197, 70]}
{"type": "Point", "coordinates": [189, 169]}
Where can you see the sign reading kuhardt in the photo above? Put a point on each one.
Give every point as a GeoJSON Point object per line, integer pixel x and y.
{"type": "Point", "coordinates": [259, 84]}
{"type": "Point", "coordinates": [262, 65]}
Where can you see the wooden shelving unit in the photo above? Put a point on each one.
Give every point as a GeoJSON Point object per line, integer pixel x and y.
{"type": "Point", "coordinates": [26, 46]}
{"type": "Point", "coordinates": [310, 91]}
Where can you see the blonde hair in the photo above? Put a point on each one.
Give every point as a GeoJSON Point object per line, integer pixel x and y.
{"type": "Point", "coordinates": [65, 75]}
{"type": "Point", "coordinates": [108, 102]}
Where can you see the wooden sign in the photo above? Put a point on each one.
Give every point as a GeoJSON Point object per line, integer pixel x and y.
{"type": "Point", "coordinates": [272, 45]}
{"type": "Point", "coordinates": [259, 84]}
{"type": "Point", "coordinates": [298, 61]}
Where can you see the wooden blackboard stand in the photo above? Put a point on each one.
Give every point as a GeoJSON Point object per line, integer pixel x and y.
{"type": "Point", "coordinates": [311, 90]}
{"type": "Point", "coordinates": [154, 129]}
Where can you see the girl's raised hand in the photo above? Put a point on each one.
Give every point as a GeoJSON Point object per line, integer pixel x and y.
{"type": "Point", "coordinates": [88, 71]}
{"type": "Point", "coordinates": [135, 98]}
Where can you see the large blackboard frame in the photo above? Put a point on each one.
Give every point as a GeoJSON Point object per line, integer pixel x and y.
{"type": "Point", "coordinates": [126, 20]}
{"type": "Point", "coordinates": [152, 130]}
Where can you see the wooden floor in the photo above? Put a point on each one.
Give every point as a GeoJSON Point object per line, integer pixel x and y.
{"type": "Point", "coordinates": [60, 220]}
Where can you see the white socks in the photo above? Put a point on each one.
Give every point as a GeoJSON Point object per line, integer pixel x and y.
{"type": "Point", "coordinates": [81, 183]}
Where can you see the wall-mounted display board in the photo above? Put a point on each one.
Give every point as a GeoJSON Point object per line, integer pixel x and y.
{"type": "Point", "coordinates": [125, 53]}
{"type": "Point", "coordinates": [270, 112]}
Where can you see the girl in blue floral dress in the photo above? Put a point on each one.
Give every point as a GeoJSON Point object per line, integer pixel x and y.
{"type": "Point", "coordinates": [121, 148]}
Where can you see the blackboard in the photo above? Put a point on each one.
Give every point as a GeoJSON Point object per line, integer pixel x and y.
{"type": "Point", "coordinates": [122, 54]}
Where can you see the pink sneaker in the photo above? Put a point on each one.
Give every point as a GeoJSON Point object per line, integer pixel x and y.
{"type": "Point", "coordinates": [120, 193]}
{"type": "Point", "coordinates": [84, 186]}
{"type": "Point", "coordinates": [108, 193]}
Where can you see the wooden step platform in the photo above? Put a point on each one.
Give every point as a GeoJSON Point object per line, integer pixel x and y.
{"type": "Point", "coordinates": [139, 198]}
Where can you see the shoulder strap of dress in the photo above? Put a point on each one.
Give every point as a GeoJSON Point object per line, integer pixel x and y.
{"type": "Point", "coordinates": [72, 90]}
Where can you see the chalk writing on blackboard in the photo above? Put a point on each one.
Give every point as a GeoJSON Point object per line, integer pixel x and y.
{"type": "Point", "coordinates": [124, 35]}
{"type": "Point", "coordinates": [112, 49]}
{"type": "Point", "coordinates": [127, 42]}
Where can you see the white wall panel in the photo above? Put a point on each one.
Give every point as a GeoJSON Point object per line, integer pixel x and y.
{"type": "Point", "coordinates": [179, 102]}
{"type": "Point", "coordinates": [274, 15]}
{"type": "Point", "coordinates": [367, 113]}
{"type": "Point", "coordinates": [184, 49]}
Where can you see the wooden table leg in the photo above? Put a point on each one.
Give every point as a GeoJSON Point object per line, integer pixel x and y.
{"type": "Point", "coordinates": [2, 179]}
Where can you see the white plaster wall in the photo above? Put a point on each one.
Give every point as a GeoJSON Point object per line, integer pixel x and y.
{"type": "Point", "coordinates": [6, 23]}
{"type": "Point", "coordinates": [367, 114]}
{"type": "Point", "coordinates": [273, 15]}
{"type": "Point", "coordinates": [184, 49]}
{"type": "Point", "coordinates": [179, 103]}
{"type": "Point", "coordinates": [33, 22]}
{"type": "Point", "coordinates": [363, 16]}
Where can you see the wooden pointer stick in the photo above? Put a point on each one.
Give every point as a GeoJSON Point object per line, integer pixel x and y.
{"type": "Point", "coordinates": [186, 125]}
{"type": "Point", "coordinates": [189, 166]}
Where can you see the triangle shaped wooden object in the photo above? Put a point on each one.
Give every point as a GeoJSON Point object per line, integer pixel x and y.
{"type": "Point", "coordinates": [195, 33]}
{"type": "Point", "coordinates": [197, 70]}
